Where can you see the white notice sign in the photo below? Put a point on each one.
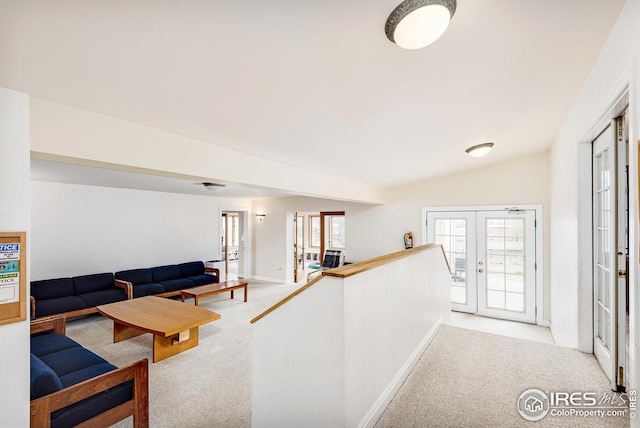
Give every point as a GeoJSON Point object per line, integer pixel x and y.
{"type": "Point", "coordinates": [9, 287]}
{"type": "Point", "coordinates": [10, 251]}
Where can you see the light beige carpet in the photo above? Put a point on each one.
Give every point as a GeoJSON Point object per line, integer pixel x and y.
{"type": "Point", "coordinates": [467, 378]}
{"type": "Point", "coordinates": [207, 386]}
{"type": "Point", "coordinates": [464, 379]}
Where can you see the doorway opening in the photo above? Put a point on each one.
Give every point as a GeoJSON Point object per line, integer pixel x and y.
{"type": "Point", "coordinates": [494, 254]}
{"type": "Point", "coordinates": [312, 233]}
{"type": "Point", "coordinates": [231, 249]}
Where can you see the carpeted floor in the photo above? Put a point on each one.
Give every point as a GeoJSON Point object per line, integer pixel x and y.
{"type": "Point", "coordinates": [464, 379]}
{"type": "Point", "coordinates": [207, 386]}
{"type": "Point", "coordinates": [472, 379]}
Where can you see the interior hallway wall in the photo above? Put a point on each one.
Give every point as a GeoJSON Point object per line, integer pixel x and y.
{"type": "Point", "coordinates": [373, 230]}
{"type": "Point", "coordinates": [14, 217]}
{"type": "Point", "coordinates": [617, 55]}
{"type": "Point", "coordinates": [79, 230]}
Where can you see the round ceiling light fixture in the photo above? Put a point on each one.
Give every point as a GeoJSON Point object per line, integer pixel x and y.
{"type": "Point", "coordinates": [415, 24]}
{"type": "Point", "coordinates": [479, 150]}
{"type": "Point", "coordinates": [213, 187]}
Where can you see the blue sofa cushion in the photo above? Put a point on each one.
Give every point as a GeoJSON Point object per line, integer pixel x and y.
{"type": "Point", "coordinates": [46, 344]}
{"type": "Point", "coordinates": [52, 288]}
{"type": "Point", "coordinates": [103, 297]}
{"type": "Point", "coordinates": [72, 360]}
{"type": "Point", "coordinates": [43, 380]}
{"type": "Point", "coordinates": [203, 279]}
{"type": "Point", "coordinates": [191, 269]}
{"type": "Point", "coordinates": [165, 273]}
{"type": "Point", "coordinates": [66, 363]}
{"type": "Point", "coordinates": [86, 373]}
{"type": "Point", "coordinates": [89, 283]}
{"type": "Point", "coordinates": [177, 284]}
{"type": "Point", "coordinates": [148, 289]}
{"type": "Point", "coordinates": [58, 305]}
{"type": "Point", "coordinates": [135, 276]}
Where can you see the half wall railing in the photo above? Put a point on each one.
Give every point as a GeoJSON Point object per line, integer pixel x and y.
{"type": "Point", "coordinates": [335, 352]}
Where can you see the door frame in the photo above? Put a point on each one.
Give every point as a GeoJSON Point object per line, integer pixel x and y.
{"type": "Point", "coordinates": [539, 285]}
{"type": "Point", "coordinates": [617, 101]}
{"type": "Point", "coordinates": [298, 251]}
{"type": "Point", "coordinates": [613, 104]}
{"type": "Point", "coordinates": [244, 238]}
{"type": "Point", "coordinates": [607, 355]}
{"type": "Point", "coordinates": [323, 216]}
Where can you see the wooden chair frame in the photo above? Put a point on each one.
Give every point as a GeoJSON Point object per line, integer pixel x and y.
{"type": "Point", "coordinates": [138, 406]}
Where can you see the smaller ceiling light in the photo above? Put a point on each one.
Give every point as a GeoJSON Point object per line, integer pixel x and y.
{"type": "Point", "coordinates": [214, 187]}
{"type": "Point", "coordinates": [479, 150]}
{"type": "Point", "coordinates": [415, 24]}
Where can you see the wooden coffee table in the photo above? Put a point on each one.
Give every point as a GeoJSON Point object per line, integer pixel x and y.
{"type": "Point", "coordinates": [211, 289]}
{"type": "Point", "coordinates": [174, 325]}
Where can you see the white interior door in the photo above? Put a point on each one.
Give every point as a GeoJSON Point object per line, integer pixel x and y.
{"type": "Point", "coordinates": [505, 265]}
{"type": "Point", "coordinates": [456, 231]}
{"type": "Point", "coordinates": [604, 247]}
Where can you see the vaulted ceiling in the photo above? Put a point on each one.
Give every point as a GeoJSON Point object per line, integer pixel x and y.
{"type": "Point", "coordinates": [315, 84]}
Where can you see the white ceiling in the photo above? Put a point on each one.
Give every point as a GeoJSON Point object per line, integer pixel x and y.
{"type": "Point", "coordinates": [297, 80]}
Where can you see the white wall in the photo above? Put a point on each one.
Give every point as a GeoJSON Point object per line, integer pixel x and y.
{"type": "Point", "coordinates": [298, 361]}
{"type": "Point", "coordinates": [373, 230]}
{"type": "Point", "coordinates": [79, 230]}
{"type": "Point", "coordinates": [391, 314]}
{"type": "Point", "coordinates": [336, 354]}
{"type": "Point", "coordinates": [14, 216]}
{"type": "Point", "coordinates": [591, 103]}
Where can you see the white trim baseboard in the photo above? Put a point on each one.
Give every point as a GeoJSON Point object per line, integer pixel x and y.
{"type": "Point", "coordinates": [383, 401]}
{"type": "Point", "coordinates": [269, 279]}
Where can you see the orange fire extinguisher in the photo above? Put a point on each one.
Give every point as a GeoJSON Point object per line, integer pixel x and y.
{"type": "Point", "coordinates": [408, 240]}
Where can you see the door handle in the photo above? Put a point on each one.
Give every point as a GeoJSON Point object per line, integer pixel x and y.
{"type": "Point", "coordinates": [480, 270]}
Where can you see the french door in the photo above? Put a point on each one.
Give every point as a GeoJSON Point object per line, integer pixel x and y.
{"type": "Point", "coordinates": [492, 257]}
{"type": "Point", "coordinates": [605, 254]}
{"type": "Point", "coordinates": [456, 232]}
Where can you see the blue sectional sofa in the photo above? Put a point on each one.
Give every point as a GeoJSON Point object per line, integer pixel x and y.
{"type": "Point", "coordinates": [72, 385]}
{"type": "Point", "coordinates": [74, 296]}
{"type": "Point", "coordinates": [81, 295]}
{"type": "Point", "coordinates": [165, 280]}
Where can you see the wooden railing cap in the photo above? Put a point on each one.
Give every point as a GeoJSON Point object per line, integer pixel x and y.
{"type": "Point", "coordinates": [354, 269]}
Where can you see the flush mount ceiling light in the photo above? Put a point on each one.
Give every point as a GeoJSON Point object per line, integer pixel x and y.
{"type": "Point", "coordinates": [214, 187]}
{"type": "Point", "coordinates": [479, 150]}
{"type": "Point", "coordinates": [415, 24]}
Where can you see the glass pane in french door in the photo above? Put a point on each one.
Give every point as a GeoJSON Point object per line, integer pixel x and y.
{"type": "Point", "coordinates": [506, 265]}
{"type": "Point", "coordinates": [456, 233]}
{"type": "Point", "coordinates": [452, 234]}
{"type": "Point", "coordinates": [603, 263]}
{"type": "Point", "coordinates": [604, 252]}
